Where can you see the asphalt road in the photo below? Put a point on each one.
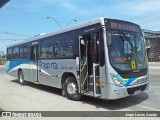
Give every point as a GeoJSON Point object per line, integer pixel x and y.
{"type": "Point", "coordinates": [31, 97]}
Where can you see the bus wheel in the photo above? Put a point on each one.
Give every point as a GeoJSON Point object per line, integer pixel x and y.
{"type": "Point", "coordinates": [71, 89]}
{"type": "Point", "coordinates": [21, 78]}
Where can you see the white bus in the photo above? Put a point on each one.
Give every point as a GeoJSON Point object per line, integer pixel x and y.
{"type": "Point", "coordinates": [103, 58]}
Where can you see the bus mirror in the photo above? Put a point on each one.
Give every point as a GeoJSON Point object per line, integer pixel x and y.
{"type": "Point", "coordinates": [109, 39]}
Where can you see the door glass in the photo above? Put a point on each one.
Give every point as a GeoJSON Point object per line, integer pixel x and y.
{"type": "Point", "coordinates": [89, 52]}
{"type": "Point", "coordinates": [83, 63]}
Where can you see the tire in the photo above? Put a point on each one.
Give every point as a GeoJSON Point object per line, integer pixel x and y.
{"type": "Point", "coordinates": [21, 78]}
{"type": "Point", "coordinates": [71, 89]}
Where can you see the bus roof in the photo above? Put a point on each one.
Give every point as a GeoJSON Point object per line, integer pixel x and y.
{"type": "Point", "coordinates": [70, 28]}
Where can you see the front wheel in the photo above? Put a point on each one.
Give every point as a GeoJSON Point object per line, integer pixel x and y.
{"type": "Point", "coordinates": [71, 89]}
{"type": "Point", "coordinates": [21, 78]}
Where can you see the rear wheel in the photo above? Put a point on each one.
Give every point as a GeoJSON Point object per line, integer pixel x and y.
{"type": "Point", "coordinates": [71, 89]}
{"type": "Point", "coordinates": [21, 78]}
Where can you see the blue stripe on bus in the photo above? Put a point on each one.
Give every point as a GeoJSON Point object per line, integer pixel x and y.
{"type": "Point", "coordinates": [126, 81]}
{"type": "Point", "coordinates": [13, 64]}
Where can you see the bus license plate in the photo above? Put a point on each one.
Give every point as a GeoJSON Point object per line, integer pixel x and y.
{"type": "Point", "coordinates": [137, 92]}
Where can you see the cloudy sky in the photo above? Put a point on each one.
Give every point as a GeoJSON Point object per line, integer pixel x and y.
{"type": "Point", "coordinates": [24, 18]}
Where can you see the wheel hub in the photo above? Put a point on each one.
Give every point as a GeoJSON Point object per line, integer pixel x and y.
{"type": "Point", "coordinates": [71, 88]}
{"type": "Point", "coordinates": [21, 79]}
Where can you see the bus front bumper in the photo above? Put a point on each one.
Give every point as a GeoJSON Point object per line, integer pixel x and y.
{"type": "Point", "coordinates": [112, 92]}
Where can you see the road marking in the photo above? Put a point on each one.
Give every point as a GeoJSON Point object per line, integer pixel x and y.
{"type": "Point", "coordinates": [154, 67]}
{"type": "Point", "coordinates": [147, 107]}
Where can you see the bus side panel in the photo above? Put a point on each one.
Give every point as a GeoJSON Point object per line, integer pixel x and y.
{"type": "Point", "coordinates": [31, 71]}
{"type": "Point", "coordinates": [26, 68]}
{"type": "Point", "coordinates": [13, 66]}
{"type": "Point", "coordinates": [51, 71]}
{"type": "Point", "coordinates": [10, 69]}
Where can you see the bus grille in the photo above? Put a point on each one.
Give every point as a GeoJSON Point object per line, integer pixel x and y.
{"type": "Point", "coordinates": [132, 90]}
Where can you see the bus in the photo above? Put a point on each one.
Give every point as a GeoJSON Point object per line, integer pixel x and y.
{"type": "Point", "coordinates": [102, 57]}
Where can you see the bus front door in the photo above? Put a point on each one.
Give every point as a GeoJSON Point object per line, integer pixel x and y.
{"type": "Point", "coordinates": [34, 58]}
{"type": "Point", "coordinates": [89, 64]}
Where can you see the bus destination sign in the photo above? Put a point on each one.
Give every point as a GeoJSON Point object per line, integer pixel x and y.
{"type": "Point", "coordinates": [123, 26]}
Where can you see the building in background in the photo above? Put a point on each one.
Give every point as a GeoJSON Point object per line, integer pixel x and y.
{"type": "Point", "coordinates": [152, 39]}
{"type": "Point", "coordinates": [2, 58]}
{"type": "Point", "coordinates": [1, 53]}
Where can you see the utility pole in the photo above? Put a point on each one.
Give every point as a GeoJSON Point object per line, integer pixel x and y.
{"type": "Point", "coordinates": [55, 21]}
{"type": "Point", "coordinates": [71, 21]}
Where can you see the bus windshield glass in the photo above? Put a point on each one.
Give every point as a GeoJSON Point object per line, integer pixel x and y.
{"type": "Point", "coordinates": [127, 51]}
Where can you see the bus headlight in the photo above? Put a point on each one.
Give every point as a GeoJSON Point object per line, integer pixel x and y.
{"type": "Point", "coordinates": [116, 80]}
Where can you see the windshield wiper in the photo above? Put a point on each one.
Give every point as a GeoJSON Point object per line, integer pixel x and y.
{"type": "Point", "coordinates": [132, 47]}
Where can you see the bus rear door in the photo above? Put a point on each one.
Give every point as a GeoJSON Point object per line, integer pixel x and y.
{"type": "Point", "coordinates": [34, 58]}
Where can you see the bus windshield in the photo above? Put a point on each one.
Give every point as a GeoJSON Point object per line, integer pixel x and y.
{"type": "Point", "coordinates": [127, 51]}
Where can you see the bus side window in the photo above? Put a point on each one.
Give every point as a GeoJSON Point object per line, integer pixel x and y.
{"type": "Point", "coordinates": [32, 53]}
{"type": "Point", "coordinates": [9, 53]}
{"type": "Point", "coordinates": [16, 53]}
{"type": "Point", "coordinates": [46, 50]}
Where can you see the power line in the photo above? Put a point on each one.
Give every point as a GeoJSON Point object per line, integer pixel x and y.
{"type": "Point", "coordinates": [11, 39]}
{"type": "Point", "coordinates": [153, 27]}
{"type": "Point", "coordinates": [3, 43]}
{"type": "Point", "coordinates": [147, 21]}
{"type": "Point", "coordinates": [151, 20]}
{"type": "Point", "coordinates": [143, 16]}
{"type": "Point", "coordinates": [15, 34]}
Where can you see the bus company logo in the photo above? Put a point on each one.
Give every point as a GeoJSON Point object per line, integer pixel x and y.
{"type": "Point", "coordinates": [48, 65]}
{"type": "Point", "coordinates": [88, 30]}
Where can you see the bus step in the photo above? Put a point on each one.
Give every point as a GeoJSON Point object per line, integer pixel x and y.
{"type": "Point", "coordinates": [91, 88]}
{"type": "Point", "coordinates": [90, 76]}
{"type": "Point", "coordinates": [90, 83]}
{"type": "Point", "coordinates": [85, 91]}
{"type": "Point", "coordinates": [36, 83]}
{"type": "Point", "coordinates": [88, 93]}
